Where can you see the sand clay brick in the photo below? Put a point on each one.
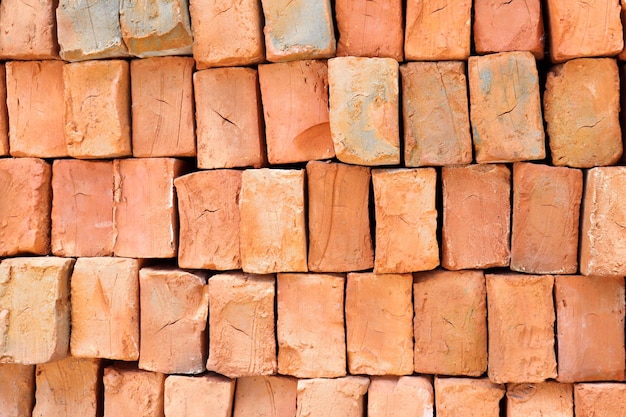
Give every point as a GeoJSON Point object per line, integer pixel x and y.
{"type": "Point", "coordinates": [594, 400]}
{"type": "Point", "coordinates": [539, 400]}
{"type": "Point", "coordinates": [4, 114]}
{"type": "Point", "coordinates": [505, 107]}
{"type": "Point", "coordinates": [209, 219]}
{"type": "Point", "coordinates": [521, 328]}
{"type": "Point", "coordinates": [467, 397]}
{"type": "Point", "coordinates": [260, 396]}
{"type": "Point", "coordinates": [546, 208]}
{"type": "Point", "coordinates": [295, 106]}
{"type": "Point", "coordinates": [346, 395]}
{"type": "Point", "coordinates": [450, 324]}
{"type": "Point", "coordinates": [406, 220]}
{"type": "Point", "coordinates": [17, 394]}
{"type": "Point", "coordinates": [162, 107]}
{"type": "Point", "coordinates": [132, 392]}
{"type": "Point", "coordinates": [433, 92]}
{"type": "Point", "coordinates": [187, 396]}
{"type": "Point", "coordinates": [28, 30]}
{"type": "Point", "coordinates": [339, 225]}
{"type": "Point", "coordinates": [403, 396]}
{"type": "Point", "coordinates": [34, 309]}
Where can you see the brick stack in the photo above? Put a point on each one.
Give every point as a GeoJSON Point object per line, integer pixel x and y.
{"type": "Point", "coordinates": [305, 208]}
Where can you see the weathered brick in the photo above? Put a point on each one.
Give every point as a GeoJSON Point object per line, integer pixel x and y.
{"type": "Point", "coordinates": [132, 392]}
{"type": "Point", "coordinates": [28, 30]}
{"type": "Point", "coordinates": [345, 394]}
{"type": "Point", "coordinates": [4, 115]}
{"type": "Point", "coordinates": [467, 397]}
{"type": "Point", "coordinates": [260, 396]}
{"type": "Point", "coordinates": [198, 396]}
{"type": "Point", "coordinates": [539, 400]}
{"type": "Point", "coordinates": [600, 399]}
{"type": "Point", "coordinates": [17, 394]}
{"type": "Point", "coordinates": [398, 396]}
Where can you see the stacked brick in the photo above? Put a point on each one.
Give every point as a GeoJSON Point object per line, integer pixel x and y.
{"type": "Point", "coordinates": [305, 208]}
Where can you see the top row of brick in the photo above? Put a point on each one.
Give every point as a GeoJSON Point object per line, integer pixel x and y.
{"type": "Point", "coordinates": [245, 32]}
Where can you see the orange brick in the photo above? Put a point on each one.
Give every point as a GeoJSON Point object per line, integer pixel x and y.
{"type": "Point", "coordinates": [162, 109]}
{"type": "Point", "coordinates": [608, 399]}
{"type": "Point", "coordinates": [17, 394]}
{"type": "Point", "coordinates": [397, 396]}
{"type": "Point", "coordinates": [450, 324]}
{"type": "Point", "coordinates": [406, 220]}
{"type": "Point", "coordinates": [339, 226]}
{"type": "Point", "coordinates": [339, 397]}
{"type": "Point", "coordinates": [295, 106]}
{"type": "Point", "coordinates": [467, 397]}
{"type": "Point", "coordinates": [539, 400]}
{"type": "Point", "coordinates": [476, 216]}
{"type": "Point", "coordinates": [521, 345]}
{"type": "Point", "coordinates": [228, 118]}
{"type": "Point", "coordinates": [260, 396]}
{"type": "Point", "coordinates": [4, 115]}
{"type": "Point", "coordinates": [209, 219]}
{"type": "Point", "coordinates": [35, 107]}
{"type": "Point", "coordinates": [132, 392]}
{"type": "Point", "coordinates": [546, 207]}
{"type": "Point", "coordinates": [198, 396]}
{"type": "Point", "coordinates": [28, 30]}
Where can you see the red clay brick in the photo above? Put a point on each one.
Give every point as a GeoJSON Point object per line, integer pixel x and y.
{"type": "Point", "coordinates": [198, 396]}
{"type": "Point", "coordinates": [539, 400]}
{"type": "Point", "coordinates": [17, 394]}
{"type": "Point", "coordinates": [339, 397]}
{"type": "Point", "coordinates": [28, 30]}
{"type": "Point", "coordinates": [4, 115]}
{"type": "Point", "coordinates": [467, 397]}
{"type": "Point", "coordinates": [132, 392]}
{"type": "Point", "coordinates": [400, 396]}
{"type": "Point", "coordinates": [608, 399]}
{"type": "Point", "coordinates": [260, 396]}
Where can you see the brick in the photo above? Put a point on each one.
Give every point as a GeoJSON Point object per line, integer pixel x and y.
{"type": "Point", "coordinates": [295, 106]}
{"type": "Point", "coordinates": [82, 208]}
{"type": "Point", "coordinates": [467, 397]}
{"type": "Point", "coordinates": [4, 115]}
{"type": "Point", "coordinates": [162, 107]}
{"type": "Point", "coordinates": [622, 55]}
{"type": "Point", "coordinates": [69, 387]}
{"type": "Point", "coordinates": [17, 394]}
{"type": "Point", "coordinates": [406, 220]}
{"type": "Point", "coordinates": [105, 308]}
{"type": "Point", "coordinates": [28, 30]}
{"type": "Point", "coordinates": [156, 28]}
{"type": "Point", "coordinates": [259, 396]}
{"type": "Point", "coordinates": [546, 208]}
{"type": "Point", "coordinates": [521, 345]}
{"type": "Point", "coordinates": [450, 323]}
{"type": "Point", "coordinates": [581, 106]}
{"type": "Point", "coordinates": [433, 92]}
{"type": "Point", "coordinates": [228, 118]}
{"type": "Point", "coordinates": [209, 219]}
{"type": "Point", "coordinates": [379, 324]}
{"type": "Point", "coordinates": [397, 396]}
{"type": "Point", "coordinates": [538, 400]}
{"type": "Point", "coordinates": [435, 32]}
{"type": "Point", "coordinates": [364, 110]}
{"type": "Point", "coordinates": [608, 399]}
{"type": "Point", "coordinates": [174, 309]}
{"type": "Point", "coordinates": [272, 231]}
{"type": "Point", "coordinates": [198, 396]}
{"type": "Point", "coordinates": [339, 225]}
{"type": "Point", "coordinates": [34, 309]}
{"type": "Point", "coordinates": [132, 392]}
{"type": "Point", "coordinates": [145, 213]}
{"type": "Point", "coordinates": [97, 109]}
{"type": "Point", "coordinates": [35, 108]}
{"type": "Point", "coordinates": [505, 108]}
{"type": "Point", "coordinates": [25, 223]}
{"type": "Point", "coordinates": [476, 216]}
{"type": "Point", "coordinates": [340, 397]}
{"type": "Point", "coordinates": [311, 326]}
{"type": "Point", "coordinates": [370, 29]}
{"type": "Point", "coordinates": [241, 325]}
{"type": "Point", "coordinates": [584, 30]}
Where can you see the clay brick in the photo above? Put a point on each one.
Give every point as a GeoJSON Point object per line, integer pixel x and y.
{"type": "Point", "coordinates": [608, 399]}
{"type": "Point", "coordinates": [505, 107]}
{"type": "Point", "coordinates": [69, 387]}
{"type": "Point", "coordinates": [174, 309]}
{"type": "Point", "coordinates": [379, 324]}
{"type": "Point", "coordinates": [25, 223]}
{"type": "Point", "coordinates": [370, 29]}
{"type": "Point", "coordinates": [476, 216]}
{"type": "Point", "coordinates": [581, 106]}
{"type": "Point", "coordinates": [97, 109]}
{"type": "Point", "coordinates": [340, 397]}
{"type": "Point", "coordinates": [450, 324]}
{"type": "Point", "coordinates": [35, 108]}
{"type": "Point", "coordinates": [539, 400]}
{"type": "Point", "coordinates": [199, 396]}
{"type": "Point", "coordinates": [34, 309]}
{"type": "Point", "coordinates": [82, 208]}
{"type": "Point", "coordinates": [145, 214]}
{"type": "Point", "coordinates": [228, 118]}
{"type": "Point", "coordinates": [105, 308]}
{"type": "Point", "coordinates": [546, 207]}
{"type": "Point", "coordinates": [406, 220]}
{"type": "Point", "coordinates": [4, 115]}
{"type": "Point", "coordinates": [521, 328]}
{"type": "Point", "coordinates": [17, 394]}
{"type": "Point", "coordinates": [503, 27]}
{"type": "Point", "coordinates": [260, 396]}
{"type": "Point", "coordinates": [406, 395]}
{"type": "Point", "coordinates": [158, 28]}
{"type": "Point", "coordinates": [467, 397]}
{"type": "Point", "coordinates": [590, 328]}
{"type": "Point", "coordinates": [272, 231]}
{"type": "Point", "coordinates": [132, 392]}
{"type": "Point", "coordinates": [241, 325]}
{"type": "Point", "coordinates": [436, 32]}
{"type": "Point", "coordinates": [295, 106]}
{"type": "Point", "coordinates": [162, 107]}
{"type": "Point", "coordinates": [28, 30]}
{"type": "Point", "coordinates": [364, 110]}
{"type": "Point", "coordinates": [433, 92]}
{"type": "Point", "coordinates": [584, 29]}
{"type": "Point", "coordinates": [339, 225]}
{"type": "Point", "coordinates": [310, 326]}
{"type": "Point", "coordinates": [209, 219]}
